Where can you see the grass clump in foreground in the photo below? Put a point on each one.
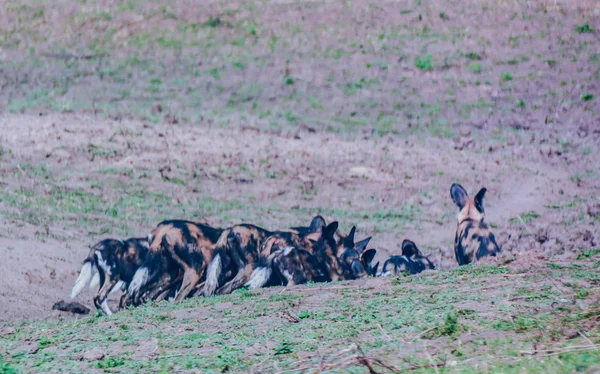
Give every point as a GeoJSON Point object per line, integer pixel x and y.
{"type": "Point", "coordinates": [377, 323]}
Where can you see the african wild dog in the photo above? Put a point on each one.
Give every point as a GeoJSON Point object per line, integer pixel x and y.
{"type": "Point", "coordinates": [356, 262]}
{"type": "Point", "coordinates": [474, 238]}
{"type": "Point", "coordinates": [317, 262]}
{"type": "Point", "coordinates": [178, 249]}
{"type": "Point", "coordinates": [110, 264]}
{"type": "Point", "coordinates": [410, 262]}
{"type": "Point", "coordinates": [236, 255]}
{"type": "Point", "coordinates": [234, 258]}
{"type": "Point", "coordinates": [320, 243]}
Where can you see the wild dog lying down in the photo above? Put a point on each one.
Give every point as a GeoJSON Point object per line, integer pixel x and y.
{"type": "Point", "coordinates": [179, 251]}
{"type": "Point", "coordinates": [356, 262]}
{"type": "Point", "coordinates": [297, 266]}
{"type": "Point", "coordinates": [474, 238]}
{"type": "Point", "coordinates": [410, 262]}
{"type": "Point", "coordinates": [296, 260]}
{"type": "Point", "coordinates": [110, 264]}
{"type": "Point", "coordinates": [236, 255]}
{"type": "Point", "coordinates": [307, 241]}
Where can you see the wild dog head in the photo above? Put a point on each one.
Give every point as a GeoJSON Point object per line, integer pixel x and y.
{"type": "Point", "coordinates": [419, 262]}
{"type": "Point", "coordinates": [412, 261]}
{"type": "Point", "coordinates": [295, 266]}
{"type": "Point", "coordinates": [356, 262]}
{"type": "Point", "coordinates": [474, 238]}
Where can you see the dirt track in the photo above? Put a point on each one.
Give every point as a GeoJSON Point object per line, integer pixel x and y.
{"type": "Point", "coordinates": [68, 181]}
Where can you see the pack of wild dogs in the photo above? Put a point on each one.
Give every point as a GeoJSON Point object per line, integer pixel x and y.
{"type": "Point", "coordinates": [181, 259]}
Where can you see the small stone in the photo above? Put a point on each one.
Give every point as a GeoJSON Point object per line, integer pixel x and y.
{"type": "Point", "coordinates": [95, 354]}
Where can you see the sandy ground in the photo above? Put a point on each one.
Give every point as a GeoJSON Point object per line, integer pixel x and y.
{"type": "Point", "coordinates": [390, 188]}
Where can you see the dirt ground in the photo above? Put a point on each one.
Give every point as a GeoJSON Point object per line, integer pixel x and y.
{"type": "Point", "coordinates": [117, 116]}
{"type": "Point", "coordinates": [390, 188]}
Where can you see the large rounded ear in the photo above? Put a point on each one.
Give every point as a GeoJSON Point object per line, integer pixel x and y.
{"type": "Point", "coordinates": [374, 269]}
{"type": "Point", "coordinates": [479, 199]}
{"type": "Point", "coordinates": [459, 195]}
{"type": "Point", "coordinates": [409, 248]}
{"type": "Point", "coordinates": [317, 224]}
{"type": "Point", "coordinates": [330, 230]}
{"type": "Point", "coordinates": [362, 245]}
{"type": "Point", "coordinates": [350, 237]}
{"type": "Point", "coordinates": [368, 256]}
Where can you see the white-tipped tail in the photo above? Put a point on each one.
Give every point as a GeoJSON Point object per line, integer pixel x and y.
{"type": "Point", "coordinates": [85, 275]}
{"type": "Point", "coordinates": [212, 276]}
{"type": "Point", "coordinates": [140, 278]}
{"type": "Point", "coordinates": [260, 276]}
{"type": "Point", "coordinates": [95, 280]}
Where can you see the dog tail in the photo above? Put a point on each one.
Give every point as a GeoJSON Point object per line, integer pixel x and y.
{"type": "Point", "coordinates": [88, 271]}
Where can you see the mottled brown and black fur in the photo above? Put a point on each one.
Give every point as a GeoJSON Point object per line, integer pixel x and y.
{"type": "Point", "coordinates": [178, 249]}
{"type": "Point", "coordinates": [320, 263]}
{"type": "Point", "coordinates": [115, 261]}
{"type": "Point", "coordinates": [356, 262]}
{"type": "Point", "coordinates": [234, 258]}
{"type": "Point", "coordinates": [412, 261]}
{"type": "Point", "coordinates": [474, 238]}
{"type": "Point", "coordinates": [319, 242]}
{"type": "Point", "coordinates": [238, 254]}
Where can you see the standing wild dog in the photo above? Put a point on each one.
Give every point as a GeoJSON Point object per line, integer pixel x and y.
{"type": "Point", "coordinates": [236, 255]}
{"type": "Point", "coordinates": [111, 264]}
{"type": "Point", "coordinates": [474, 238]}
{"type": "Point", "coordinates": [411, 261]}
{"type": "Point", "coordinates": [178, 249]}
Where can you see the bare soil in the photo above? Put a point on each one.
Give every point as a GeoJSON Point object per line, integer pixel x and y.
{"type": "Point", "coordinates": [390, 188]}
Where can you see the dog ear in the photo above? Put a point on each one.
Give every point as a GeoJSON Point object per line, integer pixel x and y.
{"type": "Point", "coordinates": [362, 245]}
{"type": "Point", "coordinates": [374, 269]}
{"type": "Point", "coordinates": [479, 200]}
{"type": "Point", "coordinates": [409, 248]}
{"type": "Point", "coordinates": [330, 230]}
{"type": "Point", "coordinates": [317, 224]}
{"type": "Point", "coordinates": [350, 237]}
{"type": "Point", "coordinates": [459, 195]}
{"type": "Point", "coordinates": [368, 256]}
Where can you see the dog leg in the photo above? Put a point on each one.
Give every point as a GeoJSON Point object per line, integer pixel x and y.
{"type": "Point", "coordinates": [190, 280]}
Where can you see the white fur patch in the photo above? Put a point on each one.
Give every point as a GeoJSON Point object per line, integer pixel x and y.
{"type": "Point", "coordinates": [95, 280]}
{"type": "Point", "coordinates": [140, 278]}
{"type": "Point", "coordinates": [105, 308]}
{"type": "Point", "coordinates": [103, 264]}
{"type": "Point", "coordinates": [259, 278]}
{"type": "Point", "coordinates": [289, 276]}
{"type": "Point", "coordinates": [86, 273]}
{"type": "Point", "coordinates": [117, 287]}
{"type": "Point", "coordinates": [287, 250]}
{"type": "Point", "coordinates": [212, 276]}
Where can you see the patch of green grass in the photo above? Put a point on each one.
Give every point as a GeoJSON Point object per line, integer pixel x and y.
{"type": "Point", "coordinates": [588, 253]}
{"type": "Point", "coordinates": [475, 67]}
{"type": "Point", "coordinates": [451, 327]}
{"type": "Point", "coordinates": [506, 77]}
{"type": "Point", "coordinates": [424, 62]}
{"type": "Point", "coordinates": [526, 217]}
{"type": "Point", "coordinates": [587, 96]}
{"type": "Point", "coordinates": [584, 28]}
{"type": "Point", "coordinates": [473, 56]}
